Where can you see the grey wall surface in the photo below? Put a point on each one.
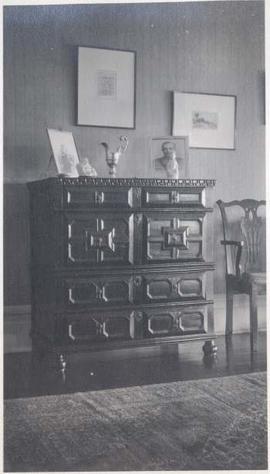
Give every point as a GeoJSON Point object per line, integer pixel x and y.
{"type": "Point", "coordinates": [212, 47]}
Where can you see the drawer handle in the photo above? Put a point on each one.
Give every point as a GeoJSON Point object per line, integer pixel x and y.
{"type": "Point", "coordinates": [137, 281]}
{"type": "Point", "coordinates": [174, 197]}
{"type": "Point", "coordinates": [99, 293]}
{"type": "Point", "coordinates": [99, 197]}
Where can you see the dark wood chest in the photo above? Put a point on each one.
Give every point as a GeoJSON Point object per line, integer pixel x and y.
{"type": "Point", "coordinates": [120, 262]}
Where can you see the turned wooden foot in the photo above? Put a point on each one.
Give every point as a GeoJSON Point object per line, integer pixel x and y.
{"type": "Point", "coordinates": [62, 363]}
{"type": "Point", "coordinates": [209, 348]}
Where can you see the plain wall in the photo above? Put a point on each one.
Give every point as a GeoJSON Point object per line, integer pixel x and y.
{"type": "Point", "coordinates": [211, 47]}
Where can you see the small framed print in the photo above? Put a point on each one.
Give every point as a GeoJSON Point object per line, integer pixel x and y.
{"type": "Point", "coordinates": [208, 119]}
{"type": "Point", "coordinates": [106, 87]}
{"type": "Point", "coordinates": [170, 157]}
{"type": "Point", "coordinates": [64, 152]}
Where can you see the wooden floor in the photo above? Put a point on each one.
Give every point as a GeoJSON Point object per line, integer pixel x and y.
{"type": "Point", "coordinates": [23, 377]}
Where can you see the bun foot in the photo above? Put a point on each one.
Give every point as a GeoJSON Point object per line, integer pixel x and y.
{"type": "Point", "coordinates": [209, 348]}
{"type": "Point", "coordinates": [62, 363]}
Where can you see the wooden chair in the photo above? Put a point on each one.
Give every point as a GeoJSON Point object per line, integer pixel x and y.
{"type": "Point", "coordinates": [244, 233]}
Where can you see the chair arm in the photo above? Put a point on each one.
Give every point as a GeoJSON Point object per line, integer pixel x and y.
{"type": "Point", "coordinates": [239, 244]}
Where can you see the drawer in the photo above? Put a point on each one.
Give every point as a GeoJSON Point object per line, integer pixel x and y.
{"type": "Point", "coordinates": [99, 291]}
{"type": "Point", "coordinates": [172, 322]}
{"type": "Point", "coordinates": [98, 238]}
{"type": "Point", "coordinates": [155, 287]}
{"type": "Point", "coordinates": [84, 197]}
{"type": "Point", "coordinates": [172, 236]}
{"type": "Point", "coordinates": [96, 326]}
{"type": "Point", "coordinates": [156, 197]}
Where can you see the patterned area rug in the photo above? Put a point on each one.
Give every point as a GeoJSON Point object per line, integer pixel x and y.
{"type": "Point", "coordinates": [217, 423]}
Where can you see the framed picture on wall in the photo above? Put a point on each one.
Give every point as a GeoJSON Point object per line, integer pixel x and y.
{"type": "Point", "coordinates": [208, 119]}
{"type": "Point", "coordinates": [170, 157]}
{"type": "Point", "coordinates": [106, 87]}
{"type": "Point", "coordinates": [64, 152]}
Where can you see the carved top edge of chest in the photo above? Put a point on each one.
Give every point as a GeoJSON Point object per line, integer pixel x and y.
{"type": "Point", "coordinates": [124, 182]}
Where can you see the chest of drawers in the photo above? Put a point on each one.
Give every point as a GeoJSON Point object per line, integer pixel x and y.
{"type": "Point", "coordinates": [120, 262]}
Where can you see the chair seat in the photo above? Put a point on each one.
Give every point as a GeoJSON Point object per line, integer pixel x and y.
{"type": "Point", "coordinates": [259, 277]}
{"type": "Point", "coordinates": [255, 277]}
{"type": "Point", "coordinates": [243, 282]}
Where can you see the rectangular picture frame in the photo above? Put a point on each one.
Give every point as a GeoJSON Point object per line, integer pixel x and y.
{"type": "Point", "coordinates": [158, 158]}
{"type": "Point", "coordinates": [64, 152]}
{"type": "Point", "coordinates": [106, 87]}
{"type": "Point", "coordinates": [209, 120]}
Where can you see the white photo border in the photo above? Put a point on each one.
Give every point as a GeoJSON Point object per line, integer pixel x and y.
{"type": "Point", "coordinates": [63, 142]}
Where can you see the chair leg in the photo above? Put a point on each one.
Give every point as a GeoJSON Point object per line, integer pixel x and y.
{"type": "Point", "coordinates": [229, 312]}
{"type": "Point", "coordinates": [253, 318]}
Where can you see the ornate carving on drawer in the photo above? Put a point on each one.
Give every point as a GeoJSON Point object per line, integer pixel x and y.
{"type": "Point", "coordinates": [104, 326]}
{"type": "Point", "coordinates": [84, 197]}
{"type": "Point", "coordinates": [101, 239]}
{"type": "Point", "coordinates": [190, 287]}
{"type": "Point", "coordinates": [116, 328]}
{"type": "Point", "coordinates": [84, 330]}
{"type": "Point", "coordinates": [117, 291]}
{"type": "Point", "coordinates": [193, 321]}
{"type": "Point", "coordinates": [77, 196]}
{"type": "Point", "coordinates": [154, 197]}
{"type": "Point", "coordinates": [106, 239]}
{"type": "Point", "coordinates": [189, 320]}
{"type": "Point", "coordinates": [161, 324]}
{"type": "Point", "coordinates": [173, 238]}
{"type": "Point", "coordinates": [82, 293]}
{"type": "Point", "coordinates": [159, 197]}
{"type": "Point", "coordinates": [85, 292]}
{"type": "Point", "coordinates": [159, 289]}
{"type": "Point", "coordinates": [123, 326]}
{"type": "Point", "coordinates": [173, 287]}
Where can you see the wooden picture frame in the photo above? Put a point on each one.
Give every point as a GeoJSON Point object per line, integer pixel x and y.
{"type": "Point", "coordinates": [158, 159]}
{"type": "Point", "coordinates": [208, 119]}
{"type": "Point", "coordinates": [64, 152]}
{"type": "Point", "coordinates": [106, 87]}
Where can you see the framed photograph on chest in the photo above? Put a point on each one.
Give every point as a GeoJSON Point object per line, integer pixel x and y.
{"type": "Point", "coordinates": [170, 157]}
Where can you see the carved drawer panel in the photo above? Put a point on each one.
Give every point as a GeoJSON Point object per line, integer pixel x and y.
{"type": "Point", "coordinates": [99, 240]}
{"type": "Point", "coordinates": [172, 322]}
{"type": "Point", "coordinates": [96, 291]}
{"type": "Point", "coordinates": [97, 326]}
{"type": "Point", "coordinates": [172, 197]}
{"type": "Point", "coordinates": [79, 197]}
{"type": "Point", "coordinates": [166, 287]}
{"type": "Point", "coordinates": [172, 238]}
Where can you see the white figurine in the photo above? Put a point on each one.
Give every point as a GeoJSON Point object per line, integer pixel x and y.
{"type": "Point", "coordinates": [86, 169]}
